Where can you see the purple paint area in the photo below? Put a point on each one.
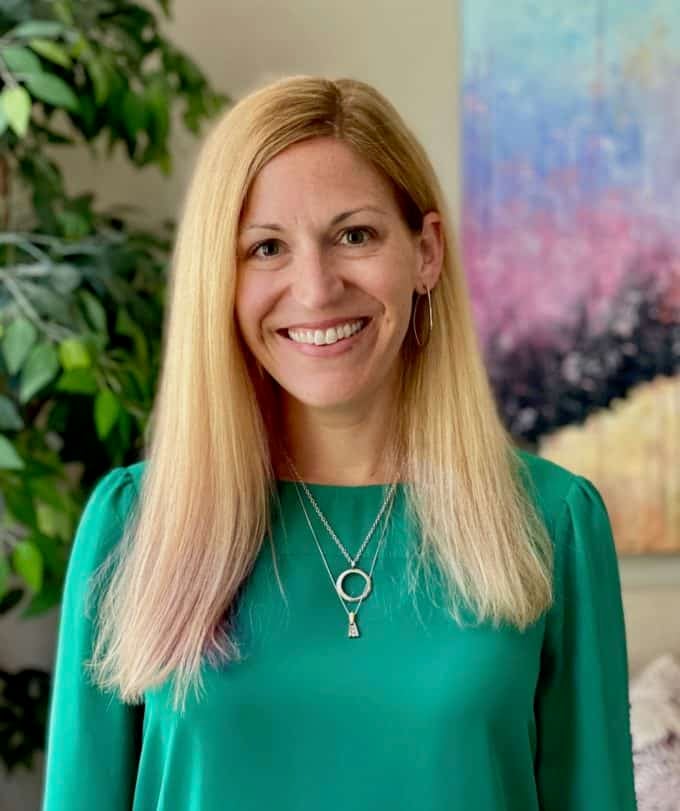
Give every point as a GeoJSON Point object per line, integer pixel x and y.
{"type": "Point", "coordinates": [529, 274]}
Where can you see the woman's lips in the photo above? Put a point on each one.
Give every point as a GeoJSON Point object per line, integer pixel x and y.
{"type": "Point", "coordinates": [327, 350]}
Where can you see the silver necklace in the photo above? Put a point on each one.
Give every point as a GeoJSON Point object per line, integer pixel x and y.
{"type": "Point", "coordinates": [351, 560]}
{"type": "Point", "coordinates": [353, 568]}
{"type": "Point", "coordinates": [353, 629]}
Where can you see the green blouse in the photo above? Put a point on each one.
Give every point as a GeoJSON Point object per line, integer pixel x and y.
{"type": "Point", "coordinates": [415, 713]}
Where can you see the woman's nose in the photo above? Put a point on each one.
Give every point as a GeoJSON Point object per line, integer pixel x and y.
{"type": "Point", "coordinates": [316, 281]}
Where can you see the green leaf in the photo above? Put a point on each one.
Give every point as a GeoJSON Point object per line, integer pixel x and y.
{"type": "Point", "coordinates": [62, 10]}
{"type": "Point", "coordinates": [73, 224]}
{"type": "Point", "coordinates": [106, 411]}
{"type": "Point", "coordinates": [73, 354]}
{"type": "Point", "coordinates": [43, 489]}
{"type": "Point", "coordinates": [94, 311]}
{"type": "Point", "coordinates": [5, 573]}
{"type": "Point", "coordinates": [88, 124]}
{"type": "Point", "coordinates": [17, 342]}
{"type": "Point", "coordinates": [41, 366]}
{"type": "Point", "coordinates": [20, 505]}
{"type": "Point", "coordinates": [16, 105]}
{"type": "Point", "coordinates": [52, 89]}
{"type": "Point", "coordinates": [48, 302]}
{"type": "Point", "coordinates": [65, 278]}
{"type": "Point", "coordinates": [134, 112]}
{"type": "Point", "coordinates": [10, 419]}
{"type": "Point", "coordinates": [63, 526]}
{"type": "Point", "coordinates": [157, 96]}
{"type": "Point", "coordinates": [78, 381]}
{"type": "Point", "coordinates": [9, 458]}
{"type": "Point", "coordinates": [126, 326]}
{"type": "Point", "coordinates": [52, 51]}
{"type": "Point", "coordinates": [36, 28]}
{"type": "Point", "coordinates": [20, 60]}
{"type": "Point", "coordinates": [3, 120]}
{"type": "Point", "coordinates": [99, 75]}
{"type": "Point", "coordinates": [125, 429]}
{"type": "Point", "coordinates": [27, 562]}
{"type": "Point", "coordinates": [48, 519]}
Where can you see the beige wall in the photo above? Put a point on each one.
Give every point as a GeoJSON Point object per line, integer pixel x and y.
{"type": "Point", "coordinates": [412, 55]}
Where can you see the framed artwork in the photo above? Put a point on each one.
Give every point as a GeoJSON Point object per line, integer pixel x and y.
{"type": "Point", "coordinates": [571, 241]}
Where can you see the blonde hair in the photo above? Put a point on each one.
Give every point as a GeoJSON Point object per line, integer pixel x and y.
{"type": "Point", "coordinates": [203, 509]}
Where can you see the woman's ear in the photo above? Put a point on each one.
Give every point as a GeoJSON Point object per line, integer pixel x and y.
{"type": "Point", "coordinates": [431, 250]}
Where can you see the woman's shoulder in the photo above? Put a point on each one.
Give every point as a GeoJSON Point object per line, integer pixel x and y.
{"type": "Point", "coordinates": [103, 518]}
{"type": "Point", "coordinates": [123, 480]}
{"type": "Point", "coordinates": [113, 496]}
{"type": "Point", "coordinates": [135, 473]}
{"type": "Point", "coordinates": [120, 485]}
{"type": "Point", "coordinates": [572, 508]}
{"type": "Point", "coordinates": [116, 491]}
{"type": "Point", "coordinates": [552, 485]}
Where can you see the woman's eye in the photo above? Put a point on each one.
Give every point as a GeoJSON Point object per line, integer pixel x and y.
{"type": "Point", "coordinates": [259, 245]}
{"type": "Point", "coordinates": [355, 230]}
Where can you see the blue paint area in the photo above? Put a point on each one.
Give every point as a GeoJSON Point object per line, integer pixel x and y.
{"type": "Point", "coordinates": [550, 87]}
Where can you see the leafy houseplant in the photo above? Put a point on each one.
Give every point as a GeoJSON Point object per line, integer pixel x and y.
{"type": "Point", "coordinates": [81, 290]}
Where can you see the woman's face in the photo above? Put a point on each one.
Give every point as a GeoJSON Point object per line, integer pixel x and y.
{"type": "Point", "coordinates": [322, 250]}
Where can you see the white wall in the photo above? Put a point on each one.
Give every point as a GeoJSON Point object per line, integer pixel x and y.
{"type": "Point", "coordinates": [409, 51]}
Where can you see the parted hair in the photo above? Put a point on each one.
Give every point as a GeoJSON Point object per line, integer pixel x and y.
{"type": "Point", "coordinates": [166, 591]}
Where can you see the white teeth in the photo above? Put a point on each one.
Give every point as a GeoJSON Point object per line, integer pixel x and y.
{"type": "Point", "coordinates": [328, 336]}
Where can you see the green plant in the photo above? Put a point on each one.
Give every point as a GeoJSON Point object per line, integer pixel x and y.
{"type": "Point", "coordinates": [81, 290]}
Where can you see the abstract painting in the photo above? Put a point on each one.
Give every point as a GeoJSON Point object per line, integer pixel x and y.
{"type": "Point", "coordinates": [571, 241]}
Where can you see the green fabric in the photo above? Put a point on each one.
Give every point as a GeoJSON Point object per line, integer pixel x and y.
{"type": "Point", "coordinates": [416, 713]}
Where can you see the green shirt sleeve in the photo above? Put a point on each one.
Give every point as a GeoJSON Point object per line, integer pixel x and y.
{"type": "Point", "coordinates": [584, 758]}
{"type": "Point", "coordinates": [92, 738]}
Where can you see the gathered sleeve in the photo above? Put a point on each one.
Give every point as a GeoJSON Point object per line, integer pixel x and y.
{"type": "Point", "coordinates": [584, 758]}
{"type": "Point", "coordinates": [92, 738]}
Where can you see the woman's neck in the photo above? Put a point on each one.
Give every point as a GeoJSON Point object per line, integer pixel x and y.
{"type": "Point", "coordinates": [333, 452]}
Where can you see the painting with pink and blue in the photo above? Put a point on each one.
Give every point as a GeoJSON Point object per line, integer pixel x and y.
{"type": "Point", "coordinates": [571, 240]}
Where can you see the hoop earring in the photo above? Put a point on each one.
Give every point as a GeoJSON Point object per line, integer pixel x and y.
{"type": "Point", "coordinates": [413, 320]}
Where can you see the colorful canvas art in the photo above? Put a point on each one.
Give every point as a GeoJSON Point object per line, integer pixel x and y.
{"type": "Point", "coordinates": [571, 240]}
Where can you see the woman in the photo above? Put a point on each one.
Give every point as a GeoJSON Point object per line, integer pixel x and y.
{"type": "Point", "coordinates": [435, 619]}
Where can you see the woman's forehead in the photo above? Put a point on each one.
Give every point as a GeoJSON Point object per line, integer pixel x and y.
{"type": "Point", "coordinates": [326, 179]}
{"type": "Point", "coordinates": [318, 160]}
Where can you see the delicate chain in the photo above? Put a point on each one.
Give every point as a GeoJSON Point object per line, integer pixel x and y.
{"type": "Point", "coordinates": [322, 517]}
{"type": "Point", "coordinates": [375, 556]}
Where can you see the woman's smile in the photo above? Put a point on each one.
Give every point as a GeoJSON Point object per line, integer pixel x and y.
{"type": "Point", "coordinates": [340, 346]}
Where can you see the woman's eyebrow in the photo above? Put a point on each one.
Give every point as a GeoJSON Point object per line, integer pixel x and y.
{"type": "Point", "coordinates": [338, 218]}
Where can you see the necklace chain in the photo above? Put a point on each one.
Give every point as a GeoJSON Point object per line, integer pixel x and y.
{"type": "Point", "coordinates": [337, 584]}
{"type": "Point", "coordinates": [351, 560]}
{"type": "Point", "coordinates": [355, 611]}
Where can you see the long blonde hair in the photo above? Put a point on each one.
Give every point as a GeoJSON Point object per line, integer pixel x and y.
{"type": "Point", "coordinates": [204, 506]}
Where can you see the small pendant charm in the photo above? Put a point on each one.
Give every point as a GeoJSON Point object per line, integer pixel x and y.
{"type": "Point", "coordinates": [353, 630]}
{"type": "Point", "coordinates": [343, 593]}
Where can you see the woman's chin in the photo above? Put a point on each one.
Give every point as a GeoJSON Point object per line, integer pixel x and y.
{"type": "Point", "coordinates": [323, 400]}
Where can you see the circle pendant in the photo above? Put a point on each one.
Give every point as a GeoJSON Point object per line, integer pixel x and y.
{"type": "Point", "coordinates": [346, 573]}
